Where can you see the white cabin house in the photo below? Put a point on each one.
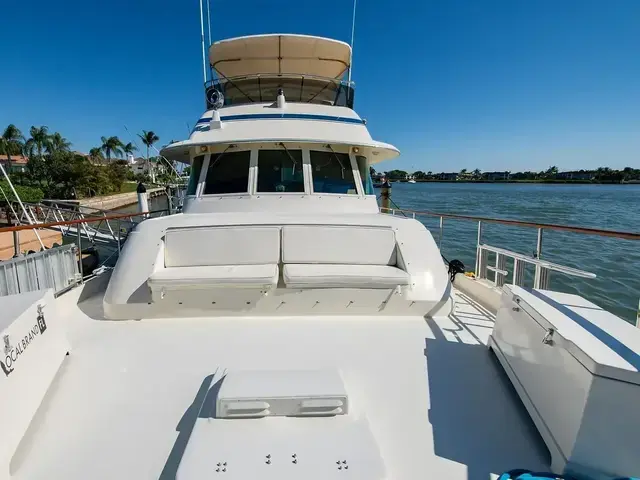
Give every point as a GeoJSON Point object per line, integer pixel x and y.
{"type": "Point", "coordinates": [280, 214]}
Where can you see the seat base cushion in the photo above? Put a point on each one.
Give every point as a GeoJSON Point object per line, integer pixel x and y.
{"type": "Point", "coordinates": [214, 276]}
{"type": "Point", "coordinates": [341, 276]}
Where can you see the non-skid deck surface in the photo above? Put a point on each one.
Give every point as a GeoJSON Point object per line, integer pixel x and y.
{"type": "Point", "coordinates": [428, 400]}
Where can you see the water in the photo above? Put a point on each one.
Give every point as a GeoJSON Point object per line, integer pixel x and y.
{"type": "Point", "coordinates": [616, 262]}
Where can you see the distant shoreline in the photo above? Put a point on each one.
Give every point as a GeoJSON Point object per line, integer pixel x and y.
{"type": "Point", "coordinates": [549, 181]}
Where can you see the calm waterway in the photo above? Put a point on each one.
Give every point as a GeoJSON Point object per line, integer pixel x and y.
{"type": "Point", "coordinates": [616, 262]}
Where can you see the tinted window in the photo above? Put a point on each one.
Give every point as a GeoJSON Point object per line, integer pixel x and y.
{"type": "Point", "coordinates": [194, 175]}
{"type": "Point", "coordinates": [332, 173]}
{"type": "Point", "coordinates": [297, 88]}
{"type": "Point", "coordinates": [280, 171]}
{"type": "Point", "coordinates": [228, 173]}
{"type": "Point", "coordinates": [365, 174]}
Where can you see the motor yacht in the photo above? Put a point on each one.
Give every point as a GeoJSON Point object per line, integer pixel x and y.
{"type": "Point", "coordinates": [282, 326]}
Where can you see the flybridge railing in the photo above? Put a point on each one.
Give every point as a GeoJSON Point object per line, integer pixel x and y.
{"type": "Point", "coordinates": [297, 88]}
{"type": "Point", "coordinates": [60, 268]}
{"type": "Point", "coordinates": [499, 269]}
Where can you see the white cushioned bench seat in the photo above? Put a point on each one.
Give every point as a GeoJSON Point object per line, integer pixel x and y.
{"type": "Point", "coordinates": [343, 276]}
{"type": "Point", "coordinates": [236, 245]}
{"type": "Point", "coordinates": [255, 276]}
{"type": "Point", "coordinates": [213, 257]}
{"type": "Point", "coordinates": [338, 244]}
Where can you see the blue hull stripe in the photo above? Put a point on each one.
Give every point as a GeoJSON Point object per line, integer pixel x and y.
{"type": "Point", "coordinates": [284, 116]}
{"type": "Point", "coordinates": [613, 343]}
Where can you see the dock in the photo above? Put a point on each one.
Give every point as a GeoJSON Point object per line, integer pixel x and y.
{"type": "Point", "coordinates": [28, 241]}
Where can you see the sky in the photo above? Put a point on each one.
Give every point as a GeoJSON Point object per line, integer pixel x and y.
{"type": "Point", "coordinates": [492, 84]}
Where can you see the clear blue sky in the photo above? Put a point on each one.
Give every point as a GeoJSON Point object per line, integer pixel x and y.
{"type": "Point", "coordinates": [493, 84]}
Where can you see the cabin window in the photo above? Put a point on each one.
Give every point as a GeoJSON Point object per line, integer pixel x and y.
{"type": "Point", "coordinates": [332, 173]}
{"type": "Point", "coordinates": [280, 171]}
{"type": "Point", "coordinates": [365, 174]}
{"type": "Point", "coordinates": [228, 172]}
{"type": "Point", "coordinates": [194, 175]}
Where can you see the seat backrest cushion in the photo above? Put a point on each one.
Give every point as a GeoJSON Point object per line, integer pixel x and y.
{"type": "Point", "coordinates": [210, 246]}
{"type": "Point", "coordinates": [338, 244]}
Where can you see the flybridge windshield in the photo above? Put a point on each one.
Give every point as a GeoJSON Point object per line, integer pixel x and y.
{"type": "Point", "coordinates": [297, 88]}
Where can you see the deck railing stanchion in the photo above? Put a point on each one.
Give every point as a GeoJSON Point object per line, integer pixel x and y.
{"type": "Point", "coordinates": [501, 263]}
{"type": "Point", "coordinates": [478, 252]}
{"type": "Point", "coordinates": [119, 231]}
{"type": "Point", "coordinates": [441, 227]}
{"type": "Point", "coordinates": [537, 281]}
{"type": "Point", "coordinates": [16, 243]}
{"type": "Point", "coordinates": [80, 269]}
{"type": "Point", "coordinates": [518, 272]}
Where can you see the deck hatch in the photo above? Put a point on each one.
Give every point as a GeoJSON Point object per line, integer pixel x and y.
{"type": "Point", "coordinates": [251, 394]}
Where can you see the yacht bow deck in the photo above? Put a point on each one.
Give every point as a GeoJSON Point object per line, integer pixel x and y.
{"type": "Point", "coordinates": [133, 400]}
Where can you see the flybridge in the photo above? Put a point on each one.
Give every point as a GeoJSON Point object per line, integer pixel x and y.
{"type": "Point", "coordinates": [307, 69]}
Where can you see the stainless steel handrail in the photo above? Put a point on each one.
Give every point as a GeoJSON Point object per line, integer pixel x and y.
{"type": "Point", "coordinates": [543, 268]}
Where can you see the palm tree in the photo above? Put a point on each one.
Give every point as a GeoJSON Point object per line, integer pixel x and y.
{"type": "Point", "coordinates": [551, 172]}
{"type": "Point", "coordinates": [111, 145]}
{"type": "Point", "coordinates": [95, 155]}
{"type": "Point", "coordinates": [477, 173]}
{"type": "Point", "coordinates": [149, 138]}
{"type": "Point", "coordinates": [40, 140]}
{"type": "Point", "coordinates": [11, 142]}
{"type": "Point", "coordinates": [129, 148]}
{"type": "Point", "coordinates": [57, 143]}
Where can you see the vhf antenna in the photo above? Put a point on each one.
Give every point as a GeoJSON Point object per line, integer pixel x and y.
{"type": "Point", "coordinates": [353, 31]}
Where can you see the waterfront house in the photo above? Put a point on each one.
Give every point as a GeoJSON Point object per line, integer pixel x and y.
{"type": "Point", "coordinates": [453, 176]}
{"type": "Point", "coordinates": [141, 166]}
{"type": "Point", "coordinates": [575, 175]}
{"type": "Point", "coordinates": [496, 176]}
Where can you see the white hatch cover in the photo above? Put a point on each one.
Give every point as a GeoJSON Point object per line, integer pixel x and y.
{"type": "Point", "coordinates": [282, 448]}
{"type": "Point", "coordinates": [605, 344]}
{"type": "Point", "coordinates": [277, 53]}
{"type": "Point", "coordinates": [250, 394]}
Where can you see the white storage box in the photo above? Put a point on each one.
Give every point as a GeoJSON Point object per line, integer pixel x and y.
{"type": "Point", "coordinates": [34, 345]}
{"type": "Point", "coordinates": [576, 368]}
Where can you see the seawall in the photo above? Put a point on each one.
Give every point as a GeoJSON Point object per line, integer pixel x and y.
{"type": "Point", "coordinates": [112, 202]}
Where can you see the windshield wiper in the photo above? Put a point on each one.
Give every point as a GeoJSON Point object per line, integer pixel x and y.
{"type": "Point", "coordinates": [338, 159]}
{"type": "Point", "coordinates": [290, 157]}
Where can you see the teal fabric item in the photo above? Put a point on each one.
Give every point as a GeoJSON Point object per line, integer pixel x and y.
{"type": "Point", "coordinates": [528, 475]}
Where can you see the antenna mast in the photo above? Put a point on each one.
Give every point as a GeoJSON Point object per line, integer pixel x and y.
{"type": "Point", "coordinates": [209, 19]}
{"type": "Point", "coordinates": [353, 31]}
{"type": "Point", "coordinates": [204, 63]}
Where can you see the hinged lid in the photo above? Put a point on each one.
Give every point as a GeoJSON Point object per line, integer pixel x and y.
{"type": "Point", "coordinates": [604, 343]}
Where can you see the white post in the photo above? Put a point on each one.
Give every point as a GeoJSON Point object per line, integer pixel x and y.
{"type": "Point", "coordinates": [143, 201]}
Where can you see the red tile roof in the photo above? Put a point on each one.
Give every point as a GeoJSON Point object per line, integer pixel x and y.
{"type": "Point", "coordinates": [15, 159]}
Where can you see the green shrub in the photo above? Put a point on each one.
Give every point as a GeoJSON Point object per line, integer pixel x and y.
{"type": "Point", "coordinates": [27, 194]}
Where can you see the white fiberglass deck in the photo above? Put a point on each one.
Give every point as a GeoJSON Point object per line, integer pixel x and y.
{"type": "Point", "coordinates": [428, 400]}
